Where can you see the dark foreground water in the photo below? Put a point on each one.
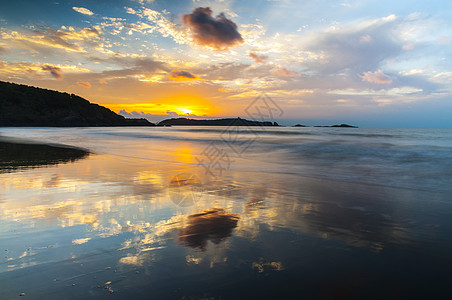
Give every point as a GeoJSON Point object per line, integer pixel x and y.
{"type": "Point", "coordinates": [216, 213]}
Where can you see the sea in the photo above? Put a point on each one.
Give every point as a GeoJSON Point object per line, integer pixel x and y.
{"type": "Point", "coordinates": [188, 212]}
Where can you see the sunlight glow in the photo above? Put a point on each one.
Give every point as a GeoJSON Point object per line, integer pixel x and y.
{"type": "Point", "coordinates": [179, 104]}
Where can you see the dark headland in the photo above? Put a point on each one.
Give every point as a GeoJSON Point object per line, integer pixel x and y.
{"type": "Point", "coordinates": [22, 105]}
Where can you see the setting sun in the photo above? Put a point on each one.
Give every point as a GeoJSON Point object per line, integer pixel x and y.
{"type": "Point", "coordinates": [186, 111]}
{"type": "Point", "coordinates": [178, 104]}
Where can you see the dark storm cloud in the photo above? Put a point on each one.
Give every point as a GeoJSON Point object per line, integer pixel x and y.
{"type": "Point", "coordinates": [218, 33]}
{"type": "Point", "coordinates": [54, 71]}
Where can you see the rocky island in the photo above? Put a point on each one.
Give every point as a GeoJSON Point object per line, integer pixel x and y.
{"type": "Point", "coordinates": [214, 122]}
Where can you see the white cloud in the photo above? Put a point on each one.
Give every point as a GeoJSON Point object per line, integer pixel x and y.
{"type": "Point", "coordinates": [80, 241]}
{"type": "Point", "coordinates": [83, 10]}
{"type": "Point", "coordinates": [167, 28]}
{"type": "Point", "coordinates": [130, 10]}
{"type": "Point", "coordinates": [144, 1]}
{"type": "Point", "coordinates": [405, 90]}
{"type": "Point", "coordinates": [376, 77]}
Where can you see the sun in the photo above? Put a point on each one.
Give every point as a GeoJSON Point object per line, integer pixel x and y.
{"type": "Point", "coordinates": [186, 105]}
{"type": "Point", "coordinates": [186, 111]}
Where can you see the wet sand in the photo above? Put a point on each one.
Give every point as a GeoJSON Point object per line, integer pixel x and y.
{"type": "Point", "coordinates": [21, 154]}
{"type": "Point", "coordinates": [142, 219]}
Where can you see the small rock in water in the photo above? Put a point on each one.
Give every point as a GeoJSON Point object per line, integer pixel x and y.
{"type": "Point", "coordinates": [22, 294]}
{"type": "Point", "coordinates": [107, 268]}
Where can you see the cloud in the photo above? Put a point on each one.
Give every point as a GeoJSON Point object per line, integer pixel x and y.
{"type": "Point", "coordinates": [376, 77]}
{"type": "Point", "coordinates": [71, 33]}
{"type": "Point", "coordinates": [130, 10]}
{"type": "Point", "coordinates": [365, 39]}
{"type": "Point", "coordinates": [399, 91]}
{"type": "Point", "coordinates": [144, 1]}
{"type": "Point", "coordinates": [3, 50]}
{"type": "Point", "coordinates": [408, 47]}
{"type": "Point", "coordinates": [283, 72]}
{"type": "Point", "coordinates": [166, 27]}
{"type": "Point", "coordinates": [354, 48]}
{"type": "Point", "coordinates": [54, 71]}
{"type": "Point", "coordinates": [80, 241]}
{"type": "Point", "coordinates": [258, 58]}
{"type": "Point", "coordinates": [84, 84]}
{"type": "Point", "coordinates": [21, 70]}
{"type": "Point", "coordinates": [66, 38]}
{"type": "Point", "coordinates": [83, 10]}
{"type": "Point", "coordinates": [444, 40]}
{"type": "Point", "coordinates": [180, 75]}
{"type": "Point", "coordinates": [41, 38]}
{"type": "Point", "coordinates": [217, 33]}
{"type": "Point", "coordinates": [139, 68]}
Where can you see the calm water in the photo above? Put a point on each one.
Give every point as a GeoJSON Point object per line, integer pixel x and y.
{"type": "Point", "coordinates": [216, 213]}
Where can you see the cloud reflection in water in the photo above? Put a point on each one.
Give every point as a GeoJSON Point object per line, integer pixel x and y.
{"type": "Point", "coordinates": [214, 225]}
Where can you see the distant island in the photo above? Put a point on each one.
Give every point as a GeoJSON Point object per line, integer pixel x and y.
{"type": "Point", "coordinates": [22, 105]}
{"type": "Point", "coordinates": [340, 126]}
{"type": "Point", "coordinates": [214, 122]}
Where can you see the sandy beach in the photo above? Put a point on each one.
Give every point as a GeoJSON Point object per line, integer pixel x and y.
{"type": "Point", "coordinates": [135, 219]}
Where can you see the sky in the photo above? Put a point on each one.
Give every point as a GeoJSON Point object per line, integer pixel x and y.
{"type": "Point", "coordinates": [369, 63]}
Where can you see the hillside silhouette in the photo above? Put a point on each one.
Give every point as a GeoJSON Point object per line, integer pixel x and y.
{"type": "Point", "coordinates": [22, 105]}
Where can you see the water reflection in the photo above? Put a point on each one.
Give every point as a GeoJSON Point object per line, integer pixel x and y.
{"type": "Point", "coordinates": [213, 225]}
{"type": "Point", "coordinates": [185, 189]}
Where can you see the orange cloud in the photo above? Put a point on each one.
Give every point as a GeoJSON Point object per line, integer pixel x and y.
{"type": "Point", "coordinates": [261, 59]}
{"type": "Point", "coordinates": [283, 72]}
{"type": "Point", "coordinates": [218, 33]}
{"type": "Point", "coordinates": [84, 84]}
{"type": "Point", "coordinates": [180, 75]}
